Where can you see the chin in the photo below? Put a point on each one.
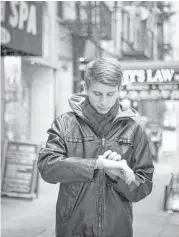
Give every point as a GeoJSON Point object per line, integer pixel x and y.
{"type": "Point", "coordinates": [102, 112]}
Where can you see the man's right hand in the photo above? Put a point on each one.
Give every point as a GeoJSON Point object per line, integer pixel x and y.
{"type": "Point", "coordinates": [119, 169]}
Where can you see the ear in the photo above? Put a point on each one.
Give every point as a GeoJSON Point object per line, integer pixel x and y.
{"type": "Point", "coordinates": [83, 86]}
{"type": "Point", "coordinates": [120, 87]}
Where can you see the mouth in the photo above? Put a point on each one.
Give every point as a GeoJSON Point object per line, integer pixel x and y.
{"type": "Point", "coordinates": [103, 109]}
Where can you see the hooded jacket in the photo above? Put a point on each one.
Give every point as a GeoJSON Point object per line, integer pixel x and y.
{"type": "Point", "coordinates": [90, 203]}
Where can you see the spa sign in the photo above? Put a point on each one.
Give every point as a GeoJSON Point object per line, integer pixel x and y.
{"type": "Point", "coordinates": [21, 26]}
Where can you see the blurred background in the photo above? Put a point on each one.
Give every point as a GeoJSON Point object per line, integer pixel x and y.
{"type": "Point", "coordinates": [45, 47]}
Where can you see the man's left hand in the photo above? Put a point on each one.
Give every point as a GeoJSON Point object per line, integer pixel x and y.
{"type": "Point", "coordinates": [126, 174]}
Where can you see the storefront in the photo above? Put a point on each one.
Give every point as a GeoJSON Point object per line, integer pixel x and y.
{"type": "Point", "coordinates": [148, 84]}
{"type": "Point", "coordinates": [21, 35]}
{"type": "Point", "coordinates": [39, 79]}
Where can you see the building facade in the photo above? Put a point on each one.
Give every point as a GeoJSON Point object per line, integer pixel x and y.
{"type": "Point", "coordinates": [144, 38]}
{"type": "Point", "coordinates": [35, 82]}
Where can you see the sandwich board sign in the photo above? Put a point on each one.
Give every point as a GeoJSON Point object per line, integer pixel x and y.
{"type": "Point", "coordinates": [20, 177]}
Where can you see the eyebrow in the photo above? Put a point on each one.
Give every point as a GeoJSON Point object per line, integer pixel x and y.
{"type": "Point", "coordinates": [107, 93]}
{"type": "Point", "coordinates": [101, 92]}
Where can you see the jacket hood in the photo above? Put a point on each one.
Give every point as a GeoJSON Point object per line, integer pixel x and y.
{"type": "Point", "coordinates": [76, 101]}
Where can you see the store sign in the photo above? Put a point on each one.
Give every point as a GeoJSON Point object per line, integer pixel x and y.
{"type": "Point", "coordinates": [149, 76]}
{"type": "Point", "coordinates": [150, 84]}
{"type": "Point", "coordinates": [21, 26]}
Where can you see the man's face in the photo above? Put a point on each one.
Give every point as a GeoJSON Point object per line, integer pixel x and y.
{"type": "Point", "coordinates": [102, 97]}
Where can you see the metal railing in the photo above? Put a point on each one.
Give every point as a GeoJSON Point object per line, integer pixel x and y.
{"type": "Point", "coordinates": [171, 195]}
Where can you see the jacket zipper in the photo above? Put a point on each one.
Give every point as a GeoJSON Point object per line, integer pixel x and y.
{"type": "Point", "coordinates": [100, 223]}
{"type": "Point", "coordinates": [103, 142]}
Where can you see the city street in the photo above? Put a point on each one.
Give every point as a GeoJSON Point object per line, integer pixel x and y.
{"type": "Point", "coordinates": [21, 218]}
{"type": "Point", "coordinates": [65, 66]}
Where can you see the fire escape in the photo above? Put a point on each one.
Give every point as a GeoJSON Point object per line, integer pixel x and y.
{"type": "Point", "coordinates": [91, 23]}
{"type": "Point", "coordinates": [143, 35]}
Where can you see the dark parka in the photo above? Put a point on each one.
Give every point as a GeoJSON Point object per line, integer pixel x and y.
{"type": "Point", "coordinates": [90, 204]}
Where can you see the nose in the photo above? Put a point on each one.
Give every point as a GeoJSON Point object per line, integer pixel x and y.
{"type": "Point", "coordinates": [103, 101]}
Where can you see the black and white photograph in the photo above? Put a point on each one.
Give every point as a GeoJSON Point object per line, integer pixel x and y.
{"type": "Point", "coordinates": [89, 118]}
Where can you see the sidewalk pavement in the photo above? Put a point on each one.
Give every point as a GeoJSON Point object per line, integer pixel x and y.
{"type": "Point", "coordinates": [25, 218]}
{"type": "Point", "coordinates": [150, 220]}
{"type": "Point", "coordinates": [22, 218]}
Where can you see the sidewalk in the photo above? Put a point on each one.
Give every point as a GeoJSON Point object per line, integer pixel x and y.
{"type": "Point", "coordinates": [22, 218]}
{"type": "Point", "coordinates": [25, 218]}
{"type": "Point", "coordinates": [149, 218]}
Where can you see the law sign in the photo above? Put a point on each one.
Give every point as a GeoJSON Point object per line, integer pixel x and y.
{"type": "Point", "coordinates": [21, 26]}
{"type": "Point", "coordinates": [150, 80]}
{"type": "Point", "coordinates": [151, 76]}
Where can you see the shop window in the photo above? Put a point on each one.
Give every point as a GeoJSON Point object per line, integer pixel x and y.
{"type": "Point", "coordinates": [16, 114]}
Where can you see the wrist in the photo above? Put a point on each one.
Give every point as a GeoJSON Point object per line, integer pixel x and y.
{"type": "Point", "coordinates": [99, 164]}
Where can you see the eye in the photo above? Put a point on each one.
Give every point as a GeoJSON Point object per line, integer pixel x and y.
{"type": "Point", "coordinates": [111, 94]}
{"type": "Point", "coordinates": [97, 93]}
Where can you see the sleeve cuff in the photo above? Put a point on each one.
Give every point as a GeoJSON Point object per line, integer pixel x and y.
{"type": "Point", "coordinates": [99, 164]}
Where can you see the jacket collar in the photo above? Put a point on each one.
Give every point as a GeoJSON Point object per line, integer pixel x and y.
{"type": "Point", "coordinates": [76, 101]}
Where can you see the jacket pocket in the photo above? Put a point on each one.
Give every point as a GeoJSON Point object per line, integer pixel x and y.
{"type": "Point", "coordinates": [79, 140]}
{"type": "Point", "coordinates": [124, 147]}
{"type": "Point", "coordinates": [77, 146]}
{"type": "Point", "coordinates": [124, 142]}
{"type": "Point", "coordinates": [67, 199]}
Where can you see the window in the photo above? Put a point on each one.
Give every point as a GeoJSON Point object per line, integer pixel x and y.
{"type": "Point", "coordinates": [60, 9]}
{"type": "Point", "coordinates": [69, 10]}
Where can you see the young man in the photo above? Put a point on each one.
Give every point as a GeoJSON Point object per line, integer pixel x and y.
{"type": "Point", "coordinates": [100, 156]}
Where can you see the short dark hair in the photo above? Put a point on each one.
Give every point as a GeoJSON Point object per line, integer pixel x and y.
{"type": "Point", "coordinates": [105, 70]}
